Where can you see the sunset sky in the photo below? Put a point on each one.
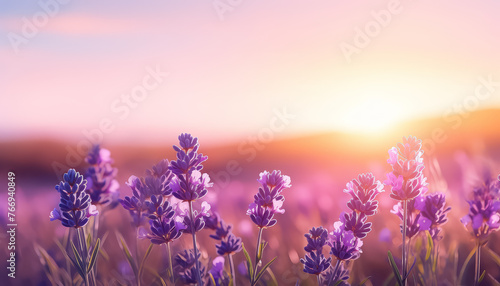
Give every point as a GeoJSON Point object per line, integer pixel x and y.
{"type": "Point", "coordinates": [226, 75]}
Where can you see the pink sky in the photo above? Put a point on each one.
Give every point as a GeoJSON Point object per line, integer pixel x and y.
{"type": "Point", "coordinates": [226, 78]}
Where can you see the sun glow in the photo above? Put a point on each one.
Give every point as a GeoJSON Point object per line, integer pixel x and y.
{"type": "Point", "coordinates": [371, 116]}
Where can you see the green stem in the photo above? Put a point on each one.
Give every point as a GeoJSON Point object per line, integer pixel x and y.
{"type": "Point", "coordinates": [231, 267]}
{"type": "Point", "coordinates": [170, 266]}
{"type": "Point", "coordinates": [257, 260]}
{"type": "Point", "coordinates": [137, 278]}
{"type": "Point", "coordinates": [94, 240]}
{"type": "Point", "coordinates": [478, 264]}
{"type": "Point", "coordinates": [403, 256]}
{"type": "Point", "coordinates": [66, 247]}
{"type": "Point", "coordinates": [191, 212]}
{"type": "Point", "coordinates": [337, 265]}
{"type": "Point", "coordinates": [81, 242]}
{"type": "Point", "coordinates": [319, 281]}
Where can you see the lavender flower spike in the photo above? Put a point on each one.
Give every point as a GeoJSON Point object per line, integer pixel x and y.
{"type": "Point", "coordinates": [345, 246]}
{"type": "Point", "coordinates": [406, 179]}
{"type": "Point", "coordinates": [102, 185]}
{"type": "Point", "coordinates": [269, 198]}
{"type": "Point", "coordinates": [484, 210]}
{"type": "Point", "coordinates": [315, 262]}
{"type": "Point", "coordinates": [74, 207]}
{"type": "Point", "coordinates": [363, 192]}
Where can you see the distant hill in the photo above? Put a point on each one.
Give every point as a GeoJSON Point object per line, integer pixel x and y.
{"type": "Point", "coordinates": [476, 132]}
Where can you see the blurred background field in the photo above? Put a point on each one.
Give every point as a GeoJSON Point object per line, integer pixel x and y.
{"type": "Point", "coordinates": [319, 165]}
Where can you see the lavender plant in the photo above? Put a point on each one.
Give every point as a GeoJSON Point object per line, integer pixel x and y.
{"type": "Point", "coordinates": [267, 202]}
{"type": "Point", "coordinates": [483, 218]}
{"type": "Point", "coordinates": [151, 201]}
{"type": "Point", "coordinates": [189, 185]}
{"type": "Point", "coordinates": [345, 240]}
{"type": "Point", "coordinates": [425, 216]}
{"type": "Point", "coordinates": [407, 182]}
{"type": "Point", "coordinates": [102, 185]}
{"type": "Point", "coordinates": [166, 198]}
{"type": "Point", "coordinates": [216, 273]}
{"type": "Point", "coordinates": [186, 266]}
{"type": "Point", "coordinates": [74, 212]}
{"type": "Point", "coordinates": [229, 245]}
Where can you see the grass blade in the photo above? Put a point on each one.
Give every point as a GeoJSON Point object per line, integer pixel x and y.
{"type": "Point", "coordinates": [213, 280]}
{"type": "Point", "coordinates": [364, 281]}
{"type": "Point", "coordinates": [481, 277]}
{"type": "Point", "coordinates": [89, 240]}
{"type": "Point", "coordinates": [264, 269]}
{"type": "Point", "coordinates": [78, 262]}
{"type": "Point", "coordinates": [395, 269]}
{"type": "Point", "coordinates": [93, 257]}
{"type": "Point", "coordinates": [430, 245]}
{"type": "Point", "coordinates": [411, 268]}
{"type": "Point", "coordinates": [126, 251]}
{"type": "Point", "coordinates": [249, 261]}
{"type": "Point", "coordinates": [49, 265]}
{"type": "Point", "coordinates": [156, 275]}
{"type": "Point", "coordinates": [464, 266]}
{"type": "Point", "coordinates": [273, 277]}
{"type": "Point", "coordinates": [146, 255]}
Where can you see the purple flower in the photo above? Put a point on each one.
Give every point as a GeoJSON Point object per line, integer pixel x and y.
{"type": "Point", "coordinates": [188, 159]}
{"type": "Point", "coordinates": [413, 220]}
{"type": "Point", "coordinates": [101, 184]}
{"type": "Point", "coordinates": [269, 198]}
{"type": "Point", "coordinates": [433, 213]}
{"type": "Point", "coordinates": [363, 192]}
{"type": "Point", "coordinates": [186, 261]}
{"type": "Point", "coordinates": [149, 194]}
{"type": "Point", "coordinates": [164, 230]}
{"type": "Point", "coordinates": [342, 274]}
{"type": "Point", "coordinates": [355, 223]}
{"type": "Point", "coordinates": [222, 231]}
{"type": "Point", "coordinates": [230, 245]}
{"type": "Point", "coordinates": [272, 184]}
{"type": "Point", "coordinates": [217, 271]}
{"type": "Point", "coordinates": [406, 179]}
{"type": "Point", "coordinates": [198, 217]}
{"type": "Point", "coordinates": [74, 206]}
{"type": "Point", "coordinates": [158, 208]}
{"type": "Point", "coordinates": [191, 188]}
{"type": "Point", "coordinates": [345, 246]}
{"type": "Point", "coordinates": [261, 216]}
{"type": "Point", "coordinates": [484, 210]}
{"type": "Point", "coordinates": [189, 275]}
{"type": "Point", "coordinates": [316, 239]}
{"type": "Point", "coordinates": [160, 169]}
{"type": "Point", "coordinates": [315, 263]}
{"type": "Point", "coordinates": [98, 156]}
{"type": "Point", "coordinates": [212, 222]}
{"type": "Point", "coordinates": [242, 269]}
